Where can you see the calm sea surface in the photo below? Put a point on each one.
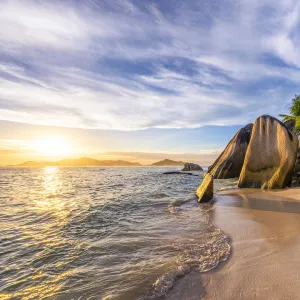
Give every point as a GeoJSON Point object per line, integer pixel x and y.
{"type": "Point", "coordinates": [93, 233]}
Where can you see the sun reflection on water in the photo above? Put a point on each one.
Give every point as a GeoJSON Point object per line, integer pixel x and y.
{"type": "Point", "coordinates": [82, 232]}
{"type": "Point", "coordinates": [51, 200]}
{"type": "Point", "coordinates": [50, 209]}
{"type": "Point", "coordinates": [51, 181]}
{"type": "Point", "coordinates": [38, 290]}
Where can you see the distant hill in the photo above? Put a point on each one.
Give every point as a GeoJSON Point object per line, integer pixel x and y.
{"type": "Point", "coordinates": [79, 162]}
{"type": "Point", "coordinates": [168, 162]}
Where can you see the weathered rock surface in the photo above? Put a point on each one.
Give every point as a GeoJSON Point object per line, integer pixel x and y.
{"type": "Point", "coordinates": [290, 125]}
{"type": "Point", "coordinates": [230, 162]}
{"type": "Point", "coordinates": [191, 167]}
{"type": "Point", "coordinates": [205, 191]}
{"type": "Point", "coordinates": [296, 172]}
{"type": "Point", "coordinates": [270, 156]}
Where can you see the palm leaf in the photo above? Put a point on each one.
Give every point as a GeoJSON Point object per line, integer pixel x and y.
{"type": "Point", "coordinates": [286, 117]}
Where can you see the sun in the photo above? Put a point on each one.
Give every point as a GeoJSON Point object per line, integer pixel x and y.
{"type": "Point", "coordinates": [52, 146]}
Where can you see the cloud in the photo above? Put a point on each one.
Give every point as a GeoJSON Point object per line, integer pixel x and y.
{"type": "Point", "coordinates": [134, 65]}
{"type": "Point", "coordinates": [10, 152]}
{"type": "Point", "coordinates": [32, 24]}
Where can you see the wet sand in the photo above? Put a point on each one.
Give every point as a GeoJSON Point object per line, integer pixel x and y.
{"type": "Point", "coordinates": [264, 228]}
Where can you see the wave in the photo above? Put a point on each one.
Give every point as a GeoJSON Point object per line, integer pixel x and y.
{"type": "Point", "coordinates": [213, 248]}
{"type": "Point", "coordinates": [138, 232]}
{"type": "Point", "coordinates": [203, 257]}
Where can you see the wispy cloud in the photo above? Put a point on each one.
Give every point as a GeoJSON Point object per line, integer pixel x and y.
{"type": "Point", "coordinates": [10, 152]}
{"type": "Point", "coordinates": [132, 65]}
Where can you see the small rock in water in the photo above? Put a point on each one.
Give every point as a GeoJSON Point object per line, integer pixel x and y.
{"type": "Point", "coordinates": [178, 172]}
{"type": "Point", "coordinates": [191, 167]}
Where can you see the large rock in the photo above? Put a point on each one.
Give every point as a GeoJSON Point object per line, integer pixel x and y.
{"type": "Point", "coordinates": [296, 172]}
{"type": "Point", "coordinates": [205, 191]}
{"type": "Point", "coordinates": [270, 156]}
{"type": "Point", "coordinates": [230, 162]}
{"type": "Point", "coordinates": [191, 167]}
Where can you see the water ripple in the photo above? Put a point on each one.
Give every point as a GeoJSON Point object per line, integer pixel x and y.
{"type": "Point", "coordinates": [85, 233]}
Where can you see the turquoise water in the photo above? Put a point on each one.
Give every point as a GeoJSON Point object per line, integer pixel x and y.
{"type": "Point", "coordinates": [89, 233]}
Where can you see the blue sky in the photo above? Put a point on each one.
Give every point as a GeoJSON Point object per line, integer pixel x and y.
{"type": "Point", "coordinates": [156, 66]}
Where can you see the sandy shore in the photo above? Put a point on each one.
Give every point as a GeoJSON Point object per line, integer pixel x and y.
{"type": "Point", "coordinates": [264, 228]}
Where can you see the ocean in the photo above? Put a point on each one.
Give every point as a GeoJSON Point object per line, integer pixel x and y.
{"type": "Point", "coordinates": [103, 233]}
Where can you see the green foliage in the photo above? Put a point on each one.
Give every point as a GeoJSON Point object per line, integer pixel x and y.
{"type": "Point", "coordinates": [297, 123]}
{"type": "Point", "coordinates": [295, 108]}
{"type": "Point", "coordinates": [295, 113]}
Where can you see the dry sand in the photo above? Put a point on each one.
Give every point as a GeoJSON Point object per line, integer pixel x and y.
{"type": "Point", "coordinates": [264, 228]}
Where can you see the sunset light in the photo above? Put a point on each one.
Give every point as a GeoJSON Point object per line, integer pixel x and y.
{"type": "Point", "coordinates": [150, 149]}
{"type": "Point", "coordinates": [52, 146]}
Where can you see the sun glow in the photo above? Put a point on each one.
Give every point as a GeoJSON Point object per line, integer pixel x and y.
{"type": "Point", "coordinates": [52, 146]}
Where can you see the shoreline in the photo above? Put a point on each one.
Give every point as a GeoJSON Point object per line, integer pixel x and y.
{"type": "Point", "coordinates": [263, 227]}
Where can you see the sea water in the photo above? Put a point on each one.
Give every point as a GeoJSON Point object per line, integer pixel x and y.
{"type": "Point", "coordinates": [102, 233]}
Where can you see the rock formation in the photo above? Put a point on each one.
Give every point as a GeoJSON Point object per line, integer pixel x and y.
{"type": "Point", "coordinates": [179, 173]}
{"type": "Point", "coordinates": [270, 156]}
{"type": "Point", "coordinates": [229, 164]}
{"type": "Point", "coordinates": [205, 191]}
{"type": "Point", "coordinates": [296, 172]}
{"type": "Point", "coordinates": [290, 125]}
{"type": "Point", "coordinates": [191, 167]}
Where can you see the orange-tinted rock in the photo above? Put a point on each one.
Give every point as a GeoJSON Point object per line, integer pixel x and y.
{"type": "Point", "coordinates": [270, 156]}
{"type": "Point", "coordinates": [229, 164]}
{"type": "Point", "coordinates": [205, 191]}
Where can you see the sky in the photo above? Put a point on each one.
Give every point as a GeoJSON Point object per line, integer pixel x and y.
{"type": "Point", "coordinates": [141, 79]}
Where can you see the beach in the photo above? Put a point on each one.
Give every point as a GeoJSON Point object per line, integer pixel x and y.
{"type": "Point", "coordinates": [265, 246]}
{"type": "Point", "coordinates": [140, 234]}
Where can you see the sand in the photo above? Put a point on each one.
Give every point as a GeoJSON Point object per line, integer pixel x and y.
{"type": "Point", "coordinates": [264, 228]}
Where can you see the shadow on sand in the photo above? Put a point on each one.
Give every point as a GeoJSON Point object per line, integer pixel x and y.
{"type": "Point", "coordinates": [270, 203]}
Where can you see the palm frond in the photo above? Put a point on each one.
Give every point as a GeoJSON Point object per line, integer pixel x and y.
{"type": "Point", "coordinates": [286, 117]}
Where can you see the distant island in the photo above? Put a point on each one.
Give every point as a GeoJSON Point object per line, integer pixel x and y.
{"type": "Point", "coordinates": [79, 162]}
{"type": "Point", "coordinates": [168, 162]}
{"type": "Point", "coordinates": [90, 162]}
